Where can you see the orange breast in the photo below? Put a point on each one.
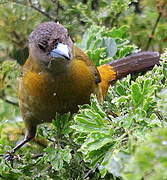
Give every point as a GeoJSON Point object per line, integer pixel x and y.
{"type": "Point", "coordinates": [43, 95]}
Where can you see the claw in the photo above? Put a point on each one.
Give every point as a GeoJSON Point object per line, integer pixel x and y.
{"type": "Point", "coordinates": [9, 156]}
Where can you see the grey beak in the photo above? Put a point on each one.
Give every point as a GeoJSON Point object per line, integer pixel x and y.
{"type": "Point", "coordinates": [60, 52]}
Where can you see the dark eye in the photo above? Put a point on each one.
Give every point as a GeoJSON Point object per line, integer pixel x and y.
{"type": "Point", "coordinates": [56, 43]}
{"type": "Point", "coordinates": [42, 46]}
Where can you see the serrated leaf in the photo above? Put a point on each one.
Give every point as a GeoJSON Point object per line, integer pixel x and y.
{"type": "Point", "coordinates": [147, 86]}
{"type": "Point", "coordinates": [117, 32]}
{"type": "Point", "coordinates": [89, 122]}
{"type": "Point", "coordinates": [97, 54]}
{"type": "Point", "coordinates": [125, 51]}
{"type": "Point", "coordinates": [96, 140]}
{"type": "Point", "coordinates": [57, 157]}
{"type": "Point", "coordinates": [120, 90]}
{"type": "Point", "coordinates": [136, 94]}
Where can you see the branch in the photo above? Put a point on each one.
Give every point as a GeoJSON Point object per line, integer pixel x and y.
{"type": "Point", "coordinates": [3, 97]}
{"type": "Point", "coordinates": [40, 11]}
{"type": "Point", "coordinates": [35, 156]}
{"type": "Point", "coordinates": [35, 8]}
{"type": "Point", "coordinates": [153, 31]}
{"type": "Point", "coordinates": [8, 101]}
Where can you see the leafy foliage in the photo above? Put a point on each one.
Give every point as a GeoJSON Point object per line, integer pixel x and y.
{"type": "Point", "coordinates": [123, 138]}
{"type": "Point", "coordinates": [19, 17]}
{"type": "Point", "coordinates": [9, 72]}
{"type": "Point", "coordinates": [103, 45]}
{"type": "Point", "coordinates": [111, 141]}
{"type": "Point", "coordinates": [149, 160]}
{"type": "Point", "coordinates": [147, 23]}
{"type": "Point", "coordinates": [106, 137]}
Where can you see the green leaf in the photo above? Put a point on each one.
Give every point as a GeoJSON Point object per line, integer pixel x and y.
{"type": "Point", "coordinates": [120, 90]}
{"type": "Point", "coordinates": [147, 86]}
{"type": "Point", "coordinates": [96, 140]}
{"type": "Point", "coordinates": [110, 45]}
{"type": "Point", "coordinates": [136, 94]}
{"type": "Point", "coordinates": [120, 33]}
{"type": "Point", "coordinates": [113, 162]}
{"type": "Point", "coordinates": [57, 156]}
{"type": "Point", "coordinates": [150, 158]}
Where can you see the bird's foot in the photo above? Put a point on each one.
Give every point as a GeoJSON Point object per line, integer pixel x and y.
{"type": "Point", "coordinates": [9, 156]}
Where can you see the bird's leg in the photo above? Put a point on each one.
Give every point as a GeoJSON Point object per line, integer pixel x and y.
{"type": "Point", "coordinates": [9, 156]}
{"type": "Point", "coordinates": [21, 144]}
{"type": "Point", "coordinates": [30, 134]}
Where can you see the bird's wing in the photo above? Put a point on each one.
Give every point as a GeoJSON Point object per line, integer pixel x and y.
{"type": "Point", "coordinates": [80, 55]}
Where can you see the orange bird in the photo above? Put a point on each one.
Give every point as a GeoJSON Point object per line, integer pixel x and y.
{"type": "Point", "coordinates": [58, 76]}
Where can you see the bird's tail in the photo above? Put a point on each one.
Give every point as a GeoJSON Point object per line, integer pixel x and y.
{"type": "Point", "coordinates": [139, 62]}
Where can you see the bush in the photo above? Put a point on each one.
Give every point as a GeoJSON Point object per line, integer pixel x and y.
{"type": "Point", "coordinates": [123, 138]}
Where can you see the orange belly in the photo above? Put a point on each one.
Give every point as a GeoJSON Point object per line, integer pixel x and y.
{"type": "Point", "coordinates": [42, 95]}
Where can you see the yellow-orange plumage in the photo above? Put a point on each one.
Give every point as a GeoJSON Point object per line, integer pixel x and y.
{"type": "Point", "coordinates": [108, 74]}
{"type": "Point", "coordinates": [42, 94]}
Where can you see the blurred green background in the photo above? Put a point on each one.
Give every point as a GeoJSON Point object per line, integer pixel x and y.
{"type": "Point", "coordinates": [146, 20]}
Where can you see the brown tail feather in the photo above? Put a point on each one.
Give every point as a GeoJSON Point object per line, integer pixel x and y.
{"type": "Point", "coordinates": [139, 62]}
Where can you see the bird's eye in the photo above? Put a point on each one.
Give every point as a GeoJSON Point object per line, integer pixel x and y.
{"type": "Point", "coordinates": [42, 47]}
{"type": "Point", "coordinates": [56, 43]}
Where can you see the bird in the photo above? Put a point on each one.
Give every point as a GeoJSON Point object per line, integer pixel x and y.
{"type": "Point", "coordinates": [58, 76]}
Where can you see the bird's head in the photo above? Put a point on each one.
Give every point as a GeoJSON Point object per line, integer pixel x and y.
{"type": "Point", "coordinates": [50, 45]}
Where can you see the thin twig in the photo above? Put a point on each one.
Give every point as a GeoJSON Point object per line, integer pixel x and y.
{"type": "Point", "coordinates": [42, 12]}
{"type": "Point", "coordinates": [153, 31]}
{"type": "Point", "coordinates": [8, 101]}
{"type": "Point", "coordinates": [34, 7]}
{"type": "Point", "coordinates": [91, 171]}
{"type": "Point", "coordinates": [159, 115]}
{"type": "Point", "coordinates": [35, 156]}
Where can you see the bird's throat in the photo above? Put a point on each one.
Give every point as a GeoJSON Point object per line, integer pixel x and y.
{"type": "Point", "coordinates": [59, 66]}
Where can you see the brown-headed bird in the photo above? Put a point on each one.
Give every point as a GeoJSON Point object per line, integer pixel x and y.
{"type": "Point", "coordinates": [58, 76]}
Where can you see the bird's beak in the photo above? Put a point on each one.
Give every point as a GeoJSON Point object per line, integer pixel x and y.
{"type": "Point", "coordinates": [60, 52]}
